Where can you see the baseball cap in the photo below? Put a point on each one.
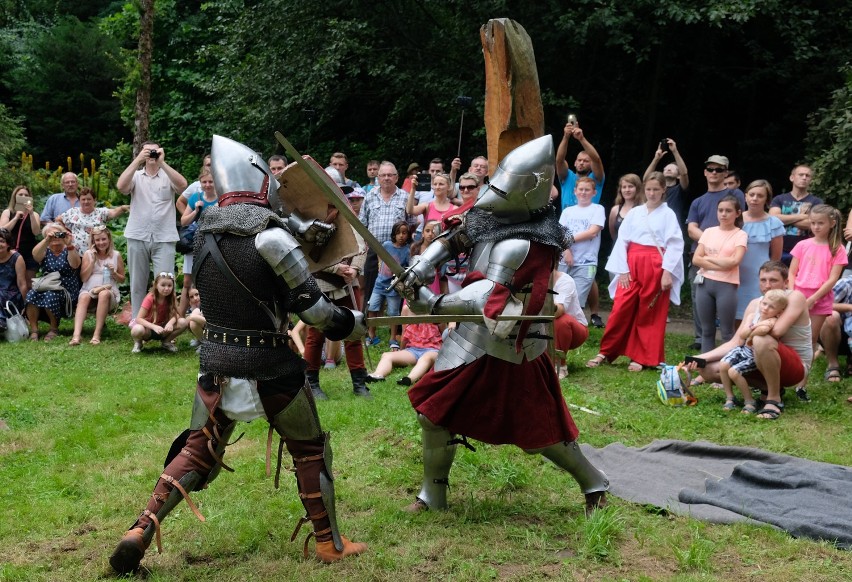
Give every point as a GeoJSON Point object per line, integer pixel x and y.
{"type": "Point", "coordinates": [357, 193]}
{"type": "Point", "coordinates": [721, 160]}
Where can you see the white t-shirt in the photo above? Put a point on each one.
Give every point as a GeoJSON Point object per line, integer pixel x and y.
{"type": "Point", "coordinates": [580, 218]}
{"type": "Point", "coordinates": [566, 293]}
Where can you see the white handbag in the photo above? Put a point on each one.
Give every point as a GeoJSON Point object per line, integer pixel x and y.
{"type": "Point", "coordinates": [16, 325]}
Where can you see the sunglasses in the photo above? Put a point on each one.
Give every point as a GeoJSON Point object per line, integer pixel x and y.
{"type": "Point", "coordinates": [98, 229]}
{"type": "Point", "coordinates": [169, 275]}
{"type": "Point", "coordinates": [468, 187]}
{"type": "Point", "coordinates": [716, 170]}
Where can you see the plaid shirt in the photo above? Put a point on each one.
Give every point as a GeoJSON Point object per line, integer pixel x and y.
{"type": "Point", "coordinates": [379, 216]}
{"type": "Point", "coordinates": [843, 294]}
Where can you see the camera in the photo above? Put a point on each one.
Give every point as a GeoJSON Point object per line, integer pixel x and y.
{"type": "Point", "coordinates": [153, 154]}
{"type": "Point", "coordinates": [424, 182]}
{"type": "Point", "coordinates": [59, 234]}
{"type": "Point", "coordinates": [464, 101]}
{"type": "Point", "coordinates": [664, 145]}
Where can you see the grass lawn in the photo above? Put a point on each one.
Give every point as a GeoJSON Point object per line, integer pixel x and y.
{"type": "Point", "coordinates": [88, 429]}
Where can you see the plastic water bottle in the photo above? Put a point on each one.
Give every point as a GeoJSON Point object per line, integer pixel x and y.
{"type": "Point", "coordinates": [107, 278]}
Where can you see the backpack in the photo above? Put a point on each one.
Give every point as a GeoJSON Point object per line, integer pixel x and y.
{"type": "Point", "coordinates": [673, 389]}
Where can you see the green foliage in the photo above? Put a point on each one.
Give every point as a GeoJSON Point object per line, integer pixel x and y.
{"type": "Point", "coordinates": [694, 553]}
{"type": "Point", "coordinates": [830, 148]}
{"type": "Point", "coordinates": [601, 533]}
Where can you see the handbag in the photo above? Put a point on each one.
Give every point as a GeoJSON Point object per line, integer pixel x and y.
{"type": "Point", "coordinates": [16, 325]}
{"type": "Point", "coordinates": [673, 389]}
{"type": "Point", "coordinates": [50, 282]}
{"type": "Point", "coordinates": [186, 242]}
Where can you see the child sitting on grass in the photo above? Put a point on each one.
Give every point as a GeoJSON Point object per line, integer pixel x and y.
{"type": "Point", "coordinates": [420, 342]}
{"type": "Point", "coordinates": [158, 317]}
{"type": "Point", "coordinates": [740, 360]}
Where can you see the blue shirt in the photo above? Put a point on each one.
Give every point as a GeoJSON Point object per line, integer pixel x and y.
{"type": "Point", "coordinates": [702, 211]}
{"type": "Point", "coordinates": [57, 204]}
{"type": "Point", "coordinates": [568, 198]}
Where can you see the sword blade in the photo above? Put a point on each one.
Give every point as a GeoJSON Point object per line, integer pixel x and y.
{"type": "Point", "coordinates": [321, 179]}
{"type": "Point", "coordinates": [405, 319]}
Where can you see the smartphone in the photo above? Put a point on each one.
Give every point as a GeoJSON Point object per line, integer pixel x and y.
{"type": "Point", "coordinates": [700, 362]}
{"type": "Point", "coordinates": [424, 182]}
{"type": "Point", "coordinates": [664, 145]}
{"type": "Point", "coordinates": [572, 119]}
{"type": "Point", "coordinates": [21, 204]}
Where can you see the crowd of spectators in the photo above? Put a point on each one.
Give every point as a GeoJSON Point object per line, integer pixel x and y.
{"type": "Point", "coordinates": [733, 234]}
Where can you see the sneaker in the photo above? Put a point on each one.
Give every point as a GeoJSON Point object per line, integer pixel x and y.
{"type": "Point", "coordinates": [803, 394]}
{"type": "Point", "coordinates": [330, 365]}
{"type": "Point", "coordinates": [597, 321]}
{"type": "Point", "coordinates": [371, 378]}
{"type": "Point", "coordinates": [393, 345]}
{"type": "Point", "coordinates": [170, 347]}
{"type": "Point", "coordinates": [137, 347]}
{"type": "Point", "coordinates": [695, 346]}
{"type": "Point", "coordinates": [374, 341]}
{"type": "Point", "coordinates": [404, 381]}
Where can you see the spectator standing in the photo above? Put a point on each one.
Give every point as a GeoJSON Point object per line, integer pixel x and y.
{"type": "Point", "coordinates": [372, 175]}
{"type": "Point", "coordinates": [647, 259]}
{"type": "Point", "coordinates": [183, 199]}
{"type": "Point", "coordinates": [24, 224]}
{"type": "Point", "coordinates": [277, 164]}
{"type": "Point", "coordinates": [469, 186]}
{"type": "Point", "coordinates": [702, 215]}
{"type": "Point", "coordinates": [629, 195]}
{"type": "Point", "coordinates": [588, 164]}
{"type": "Point", "coordinates": [81, 219]}
{"type": "Point", "coordinates": [150, 232]}
{"type": "Point", "coordinates": [677, 177]}
{"type": "Point", "coordinates": [732, 181]}
{"type": "Point", "coordinates": [793, 207]}
{"type": "Point", "coordinates": [585, 221]}
{"type": "Point", "coordinates": [765, 240]}
{"type": "Point", "coordinates": [58, 203]}
{"type": "Point", "coordinates": [340, 162]}
{"type": "Point", "coordinates": [382, 208]}
{"type": "Point", "coordinates": [718, 256]}
{"type": "Point", "coordinates": [383, 294]}
{"type": "Point", "coordinates": [196, 203]}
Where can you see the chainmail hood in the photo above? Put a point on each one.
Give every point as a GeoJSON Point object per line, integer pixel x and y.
{"type": "Point", "coordinates": [481, 226]}
{"type": "Point", "coordinates": [239, 219]}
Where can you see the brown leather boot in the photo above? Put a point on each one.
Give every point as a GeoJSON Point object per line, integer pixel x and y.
{"type": "Point", "coordinates": [129, 552]}
{"type": "Point", "coordinates": [327, 553]}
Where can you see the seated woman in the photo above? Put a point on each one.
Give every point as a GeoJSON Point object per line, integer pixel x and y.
{"type": "Point", "coordinates": [24, 224]}
{"type": "Point", "coordinates": [195, 318]}
{"type": "Point", "coordinates": [80, 220]}
{"type": "Point", "coordinates": [56, 253]}
{"type": "Point", "coordinates": [13, 279]}
{"type": "Point", "coordinates": [102, 271]}
{"type": "Point", "coordinates": [570, 326]}
{"type": "Point", "coordinates": [420, 345]}
{"type": "Point", "coordinates": [158, 318]}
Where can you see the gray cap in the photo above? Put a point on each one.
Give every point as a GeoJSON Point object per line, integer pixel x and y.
{"type": "Point", "coordinates": [721, 160]}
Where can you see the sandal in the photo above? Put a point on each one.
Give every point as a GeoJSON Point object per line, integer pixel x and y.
{"type": "Point", "coordinates": [635, 367]}
{"type": "Point", "coordinates": [51, 334]}
{"type": "Point", "coordinates": [95, 341]}
{"type": "Point", "coordinates": [749, 408]}
{"type": "Point", "coordinates": [75, 341]}
{"type": "Point", "coordinates": [730, 404]}
{"type": "Point", "coordinates": [832, 374]}
{"type": "Point", "coordinates": [770, 413]}
{"type": "Point", "coordinates": [596, 361]}
{"type": "Point", "coordinates": [697, 381]}
{"type": "Point", "coordinates": [34, 336]}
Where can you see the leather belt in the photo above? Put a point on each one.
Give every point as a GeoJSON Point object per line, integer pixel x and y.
{"type": "Point", "coordinates": [244, 338]}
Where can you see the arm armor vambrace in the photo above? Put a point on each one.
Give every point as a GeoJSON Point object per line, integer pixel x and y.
{"type": "Point", "coordinates": [337, 323]}
{"type": "Point", "coordinates": [469, 301]}
{"type": "Point", "coordinates": [281, 250]}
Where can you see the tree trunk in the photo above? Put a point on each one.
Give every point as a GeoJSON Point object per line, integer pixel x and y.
{"type": "Point", "coordinates": [143, 93]}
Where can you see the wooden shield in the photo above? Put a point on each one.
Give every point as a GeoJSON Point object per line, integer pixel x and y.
{"type": "Point", "coordinates": [298, 192]}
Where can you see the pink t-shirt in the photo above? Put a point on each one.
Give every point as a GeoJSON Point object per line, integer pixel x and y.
{"type": "Point", "coordinates": [422, 335]}
{"type": "Point", "coordinates": [162, 313]}
{"type": "Point", "coordinates": [723, 244]}
{"type": "Point", "coordinates": [815, 263]}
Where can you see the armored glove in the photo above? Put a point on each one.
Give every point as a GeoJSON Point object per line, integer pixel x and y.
{"type": "Point", "coordinates": [310, 230]}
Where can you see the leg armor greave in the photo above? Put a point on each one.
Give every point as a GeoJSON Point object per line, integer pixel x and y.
{"type": "Point", "coordinates": [568, 456]}
{"type": "Point", "coordinates": [299, 426]}
{"type": "Point", "coordinates": [438, 455]}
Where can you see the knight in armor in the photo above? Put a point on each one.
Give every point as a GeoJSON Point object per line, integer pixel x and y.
{"type": "Point", "coordinates": [493, 381]}
{"type": "Point", "coordinates": [251, 273]}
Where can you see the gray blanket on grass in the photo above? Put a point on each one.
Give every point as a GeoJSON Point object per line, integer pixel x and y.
{"type": "Point", "coordinates": [728, 484]}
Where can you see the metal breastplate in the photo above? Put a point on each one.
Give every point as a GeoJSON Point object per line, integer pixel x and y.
{"type": "Point", "coordinates": [470, 341]}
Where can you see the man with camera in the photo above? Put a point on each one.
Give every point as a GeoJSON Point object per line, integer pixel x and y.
{"type": "Point", "coordinates": [151, 232]}
{"type": "Point", "coordinates": [587, 164]}
{"type": "Point", "coordinates": [58, 203]}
